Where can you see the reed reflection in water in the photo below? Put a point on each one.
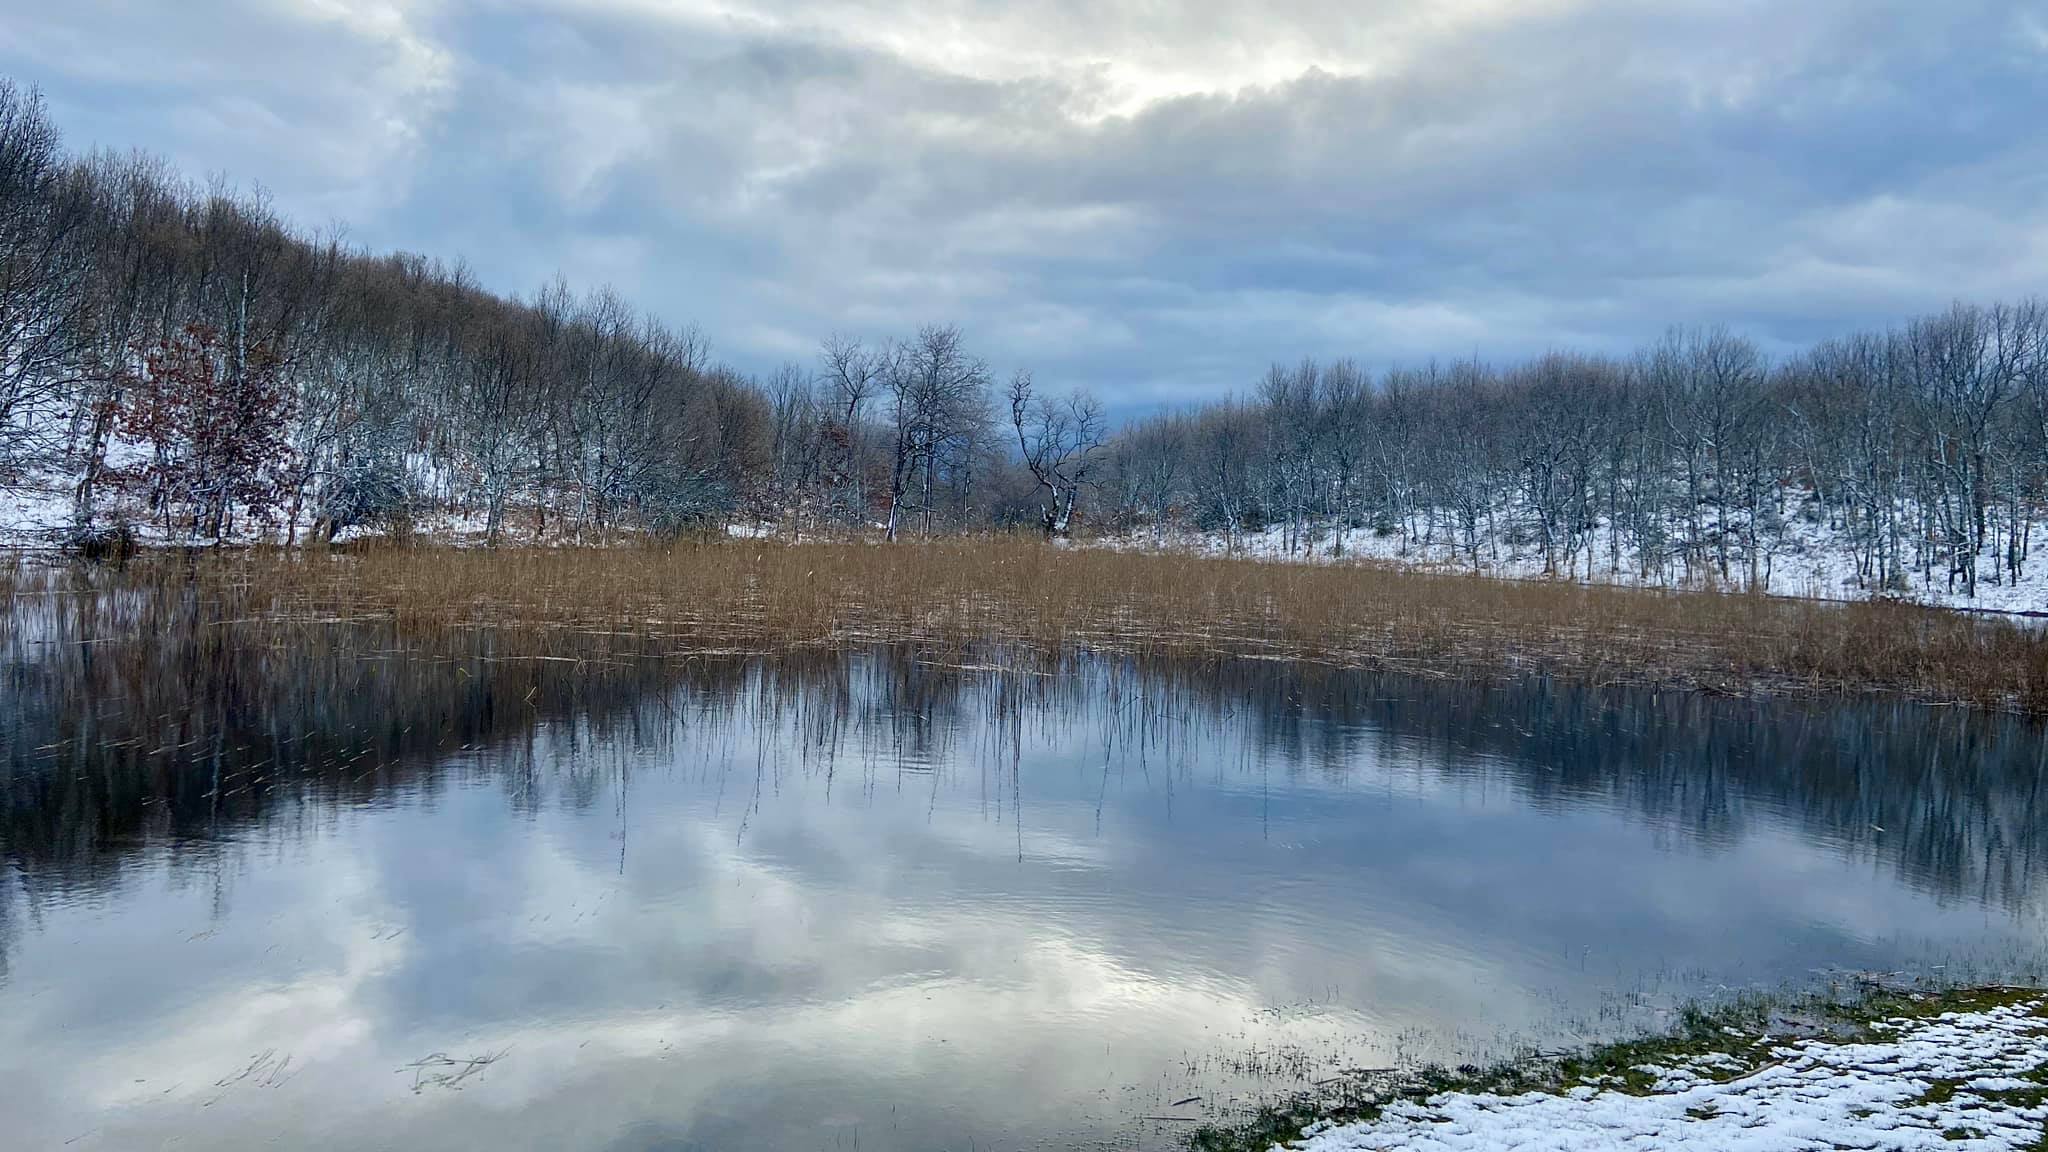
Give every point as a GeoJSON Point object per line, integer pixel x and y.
{"type": "Point", "coordinates": [363, 890]}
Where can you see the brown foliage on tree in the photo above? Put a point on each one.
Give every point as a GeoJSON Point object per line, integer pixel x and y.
{"type": "Point", "coordinates": [214, 419]}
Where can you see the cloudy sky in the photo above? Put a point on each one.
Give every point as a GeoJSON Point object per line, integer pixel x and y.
{"type": "Point", "coordinates": [1154, 198]}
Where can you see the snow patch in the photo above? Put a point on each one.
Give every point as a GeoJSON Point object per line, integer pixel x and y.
{"type": "Point", "coordinates": [1813, 562]}
{"type": "Point", "coordinates": [1965, 1082]}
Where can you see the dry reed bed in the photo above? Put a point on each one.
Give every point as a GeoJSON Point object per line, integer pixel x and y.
{"type": "Point", "coordinates": [593, 605]}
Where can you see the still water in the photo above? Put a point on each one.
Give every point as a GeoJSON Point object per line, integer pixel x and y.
{"type": "Point", "coordinates": [365, 893]}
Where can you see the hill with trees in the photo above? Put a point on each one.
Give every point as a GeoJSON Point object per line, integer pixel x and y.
{"type": "Point", "coordinates": [178, 363]}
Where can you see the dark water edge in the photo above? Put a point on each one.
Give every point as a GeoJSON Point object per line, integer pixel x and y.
{"type": "Point", "coordinates": [254, 883]}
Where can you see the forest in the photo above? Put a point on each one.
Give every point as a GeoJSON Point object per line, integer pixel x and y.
{"type": "Point", "coordinates": [179, 363]}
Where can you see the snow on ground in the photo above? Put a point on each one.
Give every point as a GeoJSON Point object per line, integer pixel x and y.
{"type": "Point", "coordinates": [1812, 563]}
{"type": "Point", "coordinates": [33, 514]}
{"type": "Point", "coordinates": [1961, 1082]}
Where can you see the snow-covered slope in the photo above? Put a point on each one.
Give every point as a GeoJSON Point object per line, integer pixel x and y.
{"type": "Point", "coordinates": [1811, 562]}
{"type": "Point", "coordinates": [1964, 1082]}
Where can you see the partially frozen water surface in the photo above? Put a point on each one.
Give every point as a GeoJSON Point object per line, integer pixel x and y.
{"type": "Point", "coordinates": [366, 893]}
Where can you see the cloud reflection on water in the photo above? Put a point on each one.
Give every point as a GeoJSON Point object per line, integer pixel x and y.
{"type": "Point", "coordinates": [786, 904]}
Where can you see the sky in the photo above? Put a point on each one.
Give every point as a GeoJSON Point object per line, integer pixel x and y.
{"type": "Point", "coordinates": [1153, 199]}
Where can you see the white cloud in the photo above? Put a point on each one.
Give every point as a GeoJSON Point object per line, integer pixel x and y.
{"type": "Point", "coordinates": [1114, 59]}
{"type": "Point", "coordinates": [1174, 193]}
{"type": "Point", "coordinates": [325, 102]}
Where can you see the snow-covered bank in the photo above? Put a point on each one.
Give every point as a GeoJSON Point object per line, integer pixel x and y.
{"type": "Point", "coordinates": [1812, 564]}
{"type": "Point", "coordinates": [1974, 1081]}
{"type": "Point", "coordinates": [33, 515]}
{"type": "Point", "coordinates": [1805, 561]}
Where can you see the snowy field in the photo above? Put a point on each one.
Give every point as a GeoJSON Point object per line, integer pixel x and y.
{"type": "Point", "coordinates": [38, 515]}
{"type": "Point", "coordinates": [1961, 1082]}
{"type": "Point", "coordinates": [1812, 564]}
{"type": "Point", "coordinates": [32, 515]}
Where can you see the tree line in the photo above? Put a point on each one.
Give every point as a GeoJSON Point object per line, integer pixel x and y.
{"type": "Point", "coordinates": [186, 348]}
{"type": "Point", "coordinates": [182, 356]}
{"type": "Point", "coordinates": [1922, 451]}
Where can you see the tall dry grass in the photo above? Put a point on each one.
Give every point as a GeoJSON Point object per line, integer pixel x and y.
{"type": "Point", "coordinates": [588, 605]}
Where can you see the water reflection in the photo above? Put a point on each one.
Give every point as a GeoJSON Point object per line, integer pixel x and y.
{"type": "Point", "coordinates": [894, 899]}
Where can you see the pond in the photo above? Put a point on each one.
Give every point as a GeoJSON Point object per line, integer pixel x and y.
{"type": "Point", "coordinates": [368, 892]}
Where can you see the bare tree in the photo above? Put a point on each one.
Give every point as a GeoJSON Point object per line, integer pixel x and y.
{"type": "Point", "coordinates": [853, 376]}
{"type": "Point", "coordinates": [940, 408]}
{"type": "Point", "coordinates": [43, 290]}
{"type": "Point", "coordinates": [1061, 441]}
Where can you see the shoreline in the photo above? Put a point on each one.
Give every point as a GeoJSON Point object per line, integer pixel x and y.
{"type": "Point", "coordinates": [1035, 602]}
{"type": "Point", "coordinates": [1813, 564]}
{"type": "Point", "coordinates": [1374, 552]}
{"type": "Point", "coordinates": [1955, 1068]}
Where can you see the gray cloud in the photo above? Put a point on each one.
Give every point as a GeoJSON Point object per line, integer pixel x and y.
{"type": "Point", "coordinates": [1151, 199]}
